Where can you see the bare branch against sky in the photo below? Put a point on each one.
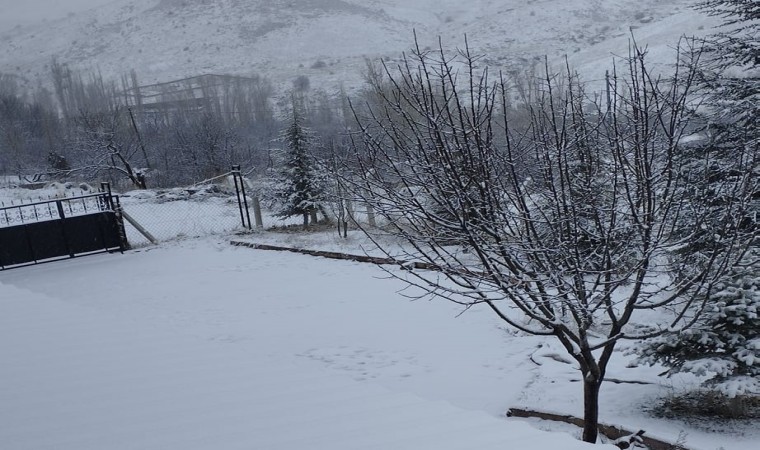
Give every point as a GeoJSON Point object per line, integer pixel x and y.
{"type": "Point", "coordinates": [25, 12]}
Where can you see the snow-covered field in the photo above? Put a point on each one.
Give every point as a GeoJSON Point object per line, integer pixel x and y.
{"type": "Point", "coordinates": [198, 344]}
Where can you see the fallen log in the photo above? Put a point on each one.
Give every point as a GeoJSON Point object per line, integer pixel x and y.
{"type": "Point", "coordinates": [610, 431]}
{"type": "Point", "coordinates": [322, 253]}
{"type": "Point", "coordinates": [406, 265]}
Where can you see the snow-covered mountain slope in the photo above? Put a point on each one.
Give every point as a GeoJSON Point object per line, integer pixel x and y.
{"type": "Point", "coordinates": [328, 40]}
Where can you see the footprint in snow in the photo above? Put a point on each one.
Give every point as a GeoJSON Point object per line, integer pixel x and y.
{"type": "Point", "coordinates": [364, 363]}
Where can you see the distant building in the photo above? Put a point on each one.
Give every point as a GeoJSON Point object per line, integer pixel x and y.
{"type": "Point", "coordinates": [226, 95]}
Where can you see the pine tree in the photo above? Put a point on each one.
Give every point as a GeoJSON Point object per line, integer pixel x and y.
{"type": "Point", "coordinates": [731, 75]}
{"type": "Point", "coordinates": [725, 344]}
{"type": "Point", "coordinates": [740, 43]}
{"type": "Point", "coordinates": [299, 191]}
{"type": "Point", "coordinates": [733, 70]}
{"type": "Point", "coordinates": [727, 150]}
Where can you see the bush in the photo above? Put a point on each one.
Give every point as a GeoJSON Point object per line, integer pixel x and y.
{"type": "Point", "coordinates": [707, 404]}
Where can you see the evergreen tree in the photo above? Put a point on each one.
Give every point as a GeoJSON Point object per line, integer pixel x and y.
{"type": "Point", "coordinates": [299, 191]}
{"type": "Point", "coordinates": [725, 344]}
{"type": "Point", "coordinates": [740, 43]}
{"type": "Point", "coordinates": [727, 150]}
{"type": "Point", "coordinates": [732, 73]}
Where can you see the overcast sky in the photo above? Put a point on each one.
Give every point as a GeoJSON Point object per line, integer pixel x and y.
{"type": "Point", "coordinates": [22, 12]}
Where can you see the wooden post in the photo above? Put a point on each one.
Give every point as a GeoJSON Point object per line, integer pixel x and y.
{"type": "Point", "coordinates": [139, 228]}
{"type": "Point", "coordinates": [257, 212]}
{"type": "Point", "coordinates": [371, 216]}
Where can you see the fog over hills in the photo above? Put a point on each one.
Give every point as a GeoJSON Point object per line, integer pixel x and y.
{"type": "Point", "coordinates": [329, 40]}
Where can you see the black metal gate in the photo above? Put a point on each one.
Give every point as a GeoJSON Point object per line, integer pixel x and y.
{"type": "Point", "coordinates": [242, 199]}
{"type": "Point", "coordinates": [61, 228]}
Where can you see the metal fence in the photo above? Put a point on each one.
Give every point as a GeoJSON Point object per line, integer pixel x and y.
{"type": "Point", "coordinates": [215, 206]}
{"type": "Point", "coordinates": [23, 213]}
{"type": "Point", "coordinates": [48, 229]}
{"type": "Point", "coordinates": [221, 205]}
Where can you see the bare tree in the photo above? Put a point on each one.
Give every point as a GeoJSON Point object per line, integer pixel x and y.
{"type": "Point", "coordinates": [29, 128]}
{"type": "Point", "coordinates": [105, 142]}
{"type": "Point", "coordinates": [208, 147]}
{"type": "Point", "coordinates": [13, 133]}
{"type": "Point", "coordinates": [565, 227]}
{"type": "Point", "coordinates": [75, 93]}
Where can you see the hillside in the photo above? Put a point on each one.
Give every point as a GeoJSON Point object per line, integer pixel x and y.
{"type": "Point", "coordinates": [328, 40]}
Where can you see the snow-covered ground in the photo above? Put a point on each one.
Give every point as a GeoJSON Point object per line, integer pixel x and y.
{"type": "Point", "coordinates": [198, 344]}
{"type": "Point", "coordinates": [213, 365]}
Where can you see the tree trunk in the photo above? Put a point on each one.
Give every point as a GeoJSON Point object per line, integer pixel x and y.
{"type": "Point", "coordinates": [140, 181]}
{"type": "Point", "coordinates": [305, 220]}
{"type": "Point", "coordinates": [590, 410]}
{"type": "Point", "coordinates": [313, 214]}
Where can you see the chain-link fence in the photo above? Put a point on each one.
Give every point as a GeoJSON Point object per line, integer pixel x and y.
{"type": "Point", "coordinates": [221, 205]}
{"type": "Point", "coordinates": [8, 181]}
{"type": "Point", "coordinates": [206, 208]}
